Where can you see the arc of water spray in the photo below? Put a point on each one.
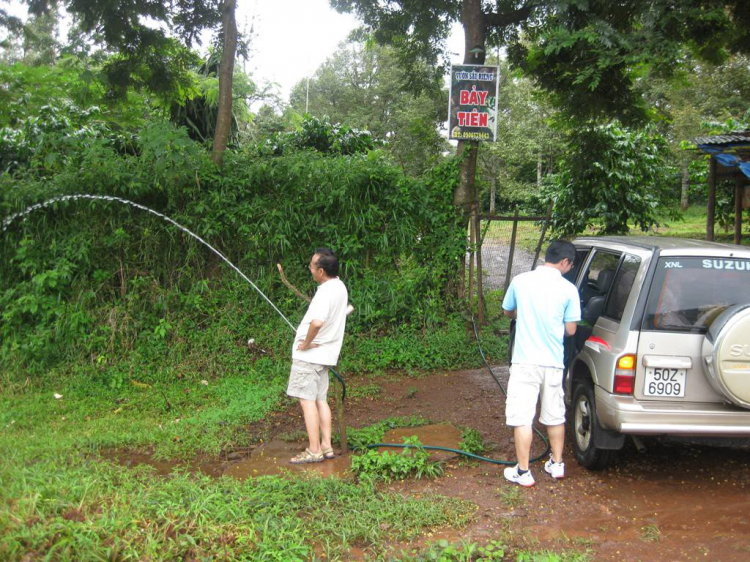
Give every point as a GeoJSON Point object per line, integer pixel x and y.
{"type": "Point", "coordinates": [23, 214]}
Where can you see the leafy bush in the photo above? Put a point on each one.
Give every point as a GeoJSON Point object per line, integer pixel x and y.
{"type": "Point", "coordinates": [95, 278]}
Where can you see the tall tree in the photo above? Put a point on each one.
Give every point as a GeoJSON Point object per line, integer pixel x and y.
{"type": "Point", "coordinates": [150, 55]}
{"type": "Point", "coordinates": [362, 86]}
{"type": "Point", "coordinates": [589, 53]}
{"type": "Point", "coordinates": [226, 73]}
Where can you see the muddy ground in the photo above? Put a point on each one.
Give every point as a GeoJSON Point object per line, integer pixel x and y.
{"type": "Point", "coordinates": [676, 502]}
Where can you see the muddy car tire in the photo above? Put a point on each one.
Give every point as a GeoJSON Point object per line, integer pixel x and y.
{"type": "Point", "coordinates": [726, 353]}
{"type": "Point", "coordinates": [584, 425]}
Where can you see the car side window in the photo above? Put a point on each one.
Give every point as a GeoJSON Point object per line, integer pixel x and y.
{"type": "Point", "coordinates": [581, 255]}
{"type": "Point", "coordinates": [597, 279]}
{"type": "Point", "coordinates": [621, 287]}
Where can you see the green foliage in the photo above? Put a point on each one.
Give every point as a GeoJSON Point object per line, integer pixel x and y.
{"type": "Point", "coordinates": [94, 278]}
{"type": "Point", "coordinates": [472, 442]}
{"type": "Point", "coordinates": [411, 462]}
{"type": "Point", "coordinates": [363, 86]}
{"type": "Point", "coordinates": [359, 439]}
{"type": "Point", "coordinates": [444, 551]}
{"type": "Point", "coordinates": [611, 176]}
{"type": "Point", "coordinates": [58, 503]}
{"type": "Point", "coordinates": [322, 136]}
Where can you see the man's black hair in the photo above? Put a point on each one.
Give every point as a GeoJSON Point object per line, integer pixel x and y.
{"type": "Point", "coordinates": [328, 261]}
{"type": "Point", "coordinates": [559, 250]}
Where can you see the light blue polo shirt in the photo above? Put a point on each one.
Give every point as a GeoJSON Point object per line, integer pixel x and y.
{"type": "Point", "coordinates": [545, 300]}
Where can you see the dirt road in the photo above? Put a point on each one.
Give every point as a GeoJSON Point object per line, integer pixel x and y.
{"type": "Point", "coordinates": [674, 502]}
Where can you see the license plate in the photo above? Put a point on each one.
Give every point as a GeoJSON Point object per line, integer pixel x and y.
{"type": "Point", "coordinates": [663, 381]}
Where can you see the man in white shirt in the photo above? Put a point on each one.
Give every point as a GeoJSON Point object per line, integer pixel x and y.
{"type": "Point", "coordinates": [316, 347]}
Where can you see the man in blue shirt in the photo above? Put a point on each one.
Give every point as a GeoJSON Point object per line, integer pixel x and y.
{"type": "Point", "coordinates": [546, 307]}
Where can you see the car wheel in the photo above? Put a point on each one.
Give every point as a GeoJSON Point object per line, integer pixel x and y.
{"type": "Point", "coordinates": [584, 422]}
{"type": "Point", "coordinates": [726, 353]}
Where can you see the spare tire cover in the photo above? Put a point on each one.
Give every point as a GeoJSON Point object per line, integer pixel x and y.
{"type": "Point", "coordinates": [726, 352]}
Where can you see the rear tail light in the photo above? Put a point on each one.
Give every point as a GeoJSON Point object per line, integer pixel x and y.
{"type": "Point", "coordinates": [625, 375]}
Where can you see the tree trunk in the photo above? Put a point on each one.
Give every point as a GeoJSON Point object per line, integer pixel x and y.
{"type": "Point", "coordinates": [684, 203]}
{"type": "Point", "coordinates": [474, 26]}
{"type": "Point", "coordinates": [226, 73]}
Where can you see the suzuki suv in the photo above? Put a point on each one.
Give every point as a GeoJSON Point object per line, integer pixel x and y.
{"type": "Point", "coordinates": [664, 343]}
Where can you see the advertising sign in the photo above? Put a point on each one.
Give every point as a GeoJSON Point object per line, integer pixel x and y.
{"type": "Point", "coordinates": [473, 102]}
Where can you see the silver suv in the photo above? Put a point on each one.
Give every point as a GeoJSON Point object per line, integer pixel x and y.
{"type": "Point", "coordinates": [664, 344]}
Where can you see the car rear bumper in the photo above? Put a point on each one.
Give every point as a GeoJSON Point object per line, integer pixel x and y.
{"type": "Point", "coordinates": [626, 415]}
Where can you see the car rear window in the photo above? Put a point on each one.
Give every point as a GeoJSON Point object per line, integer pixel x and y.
{"type": "Point", "coordinates": [687, 294]}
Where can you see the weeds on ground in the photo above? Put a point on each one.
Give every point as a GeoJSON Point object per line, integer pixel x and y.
{"type": "Point", "coordinates": [651, 533]}
{"type": "Point", "coordinates": [549, 556]}
{"type": "Point", "coordinates": [512, 497]}
{"type": "Point", "coordinates": [370, 391]}
{"type": "Point", "coordinates": [386, 466]}
{"type": "Point", "coordinates": [359, 438]}
{"type": "Point", "coordinates": [464, 551]}
{"type": "Point", "coordinates": [54, 503]}
{"type": "Point", "coordinates": [472, 442]}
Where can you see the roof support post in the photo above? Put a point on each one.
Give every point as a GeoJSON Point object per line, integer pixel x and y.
{"type": "Point", "coordinates": [738, 187]}
{"type": "Point", "coordinates": [711, 204]}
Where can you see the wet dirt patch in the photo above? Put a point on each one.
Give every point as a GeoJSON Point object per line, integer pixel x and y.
{"type": "Point", "coordinates": [272, 459]}
{"type": "Point", "coordinates": [676, 502]}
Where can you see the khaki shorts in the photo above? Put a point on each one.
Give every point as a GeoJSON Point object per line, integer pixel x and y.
{"type": "Point", "coordinates": [526, 382]}
{"type": "Point", "coordinates": [308, 381]}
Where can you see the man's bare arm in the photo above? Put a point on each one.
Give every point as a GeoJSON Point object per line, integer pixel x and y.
{"type": "Point", "coordinates": [510, 313]}
{"type": "Point", "coordinates": [312, 331]}
{"type": "Point", "coordinates": [570, 328]}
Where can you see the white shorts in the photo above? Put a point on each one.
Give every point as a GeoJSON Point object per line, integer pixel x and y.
{"type": "Point", "coordinates": [526, 381]}
{"type": "Point", "coordinates": [308, 381]}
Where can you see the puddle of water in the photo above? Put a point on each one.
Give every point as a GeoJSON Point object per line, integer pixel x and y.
{"type": "Point", "coordinates": [272, 459]}
{"type": "Point", "coordinates": [438, 435]}
{"type": "Point", "coordinates": [132, 459]}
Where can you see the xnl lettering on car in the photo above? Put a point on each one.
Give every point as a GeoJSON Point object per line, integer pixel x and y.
{"type": "Point", "coordinates": [735, 265]}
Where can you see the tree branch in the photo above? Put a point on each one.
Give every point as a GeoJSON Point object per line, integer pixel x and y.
{"type": "Point", "coordinates": [286, 282]}
{"type": "Point", "coordinates": [507, 19]}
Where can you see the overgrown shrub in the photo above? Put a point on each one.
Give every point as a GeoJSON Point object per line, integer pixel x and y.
{"type": "Point", "coordinates": [92, 277]}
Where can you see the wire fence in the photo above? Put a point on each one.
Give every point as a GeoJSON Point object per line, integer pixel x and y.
{"type": "Point", "coordinates": [509, 245]}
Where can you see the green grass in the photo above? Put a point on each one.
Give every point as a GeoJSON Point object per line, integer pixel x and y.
{"type": "Point", "coordinates": [693, 225]}
{"type": "Point", "coordinates": [62, 500]}
{"type": "Point", "coordinates": [58, 504]}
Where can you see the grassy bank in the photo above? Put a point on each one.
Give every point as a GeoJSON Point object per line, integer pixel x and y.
{"type": "Point", "coordinates": [62, 499]}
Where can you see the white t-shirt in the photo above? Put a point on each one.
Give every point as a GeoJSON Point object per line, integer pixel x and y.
{"type": "Point", "coordinates": [329, 306]}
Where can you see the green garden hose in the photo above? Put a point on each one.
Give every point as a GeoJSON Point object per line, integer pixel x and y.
{"type": "Point", "coordinates": [466, 453]}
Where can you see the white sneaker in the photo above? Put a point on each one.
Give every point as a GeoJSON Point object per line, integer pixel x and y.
{"type": "Point", "coordinates": [526, 479]}
{"type": "Point", "coordinates": [555, 469]}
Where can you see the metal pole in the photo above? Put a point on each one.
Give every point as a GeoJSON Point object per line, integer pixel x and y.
{"type": "Point", "coordinates": [342, 421]}
{"type": "Point", "coordinates": [478, 230]}
{"type": "Point", "coordinates": [711, 204]}
{"type": "Point", "coordinates": [541, 237]}
{"type": "Point", "coordinates": [511, 251]}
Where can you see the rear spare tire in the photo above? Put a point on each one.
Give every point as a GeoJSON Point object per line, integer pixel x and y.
{"type": "Point", "coordinates": [726, 354]}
